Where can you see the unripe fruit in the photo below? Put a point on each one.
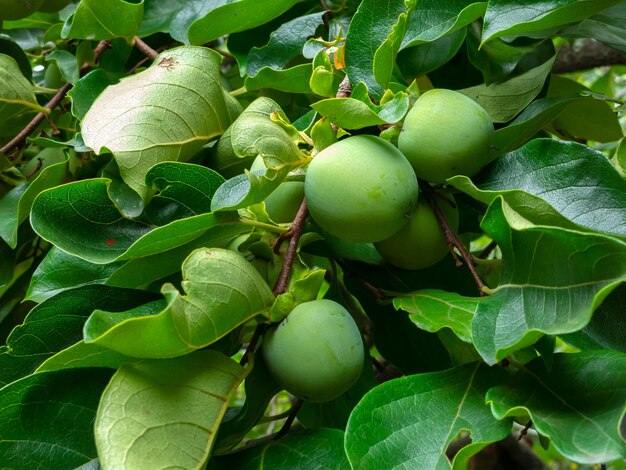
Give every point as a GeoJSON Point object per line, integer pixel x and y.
{"type": "Point", "coordinates": [361, 189]}
{"type": "Point", "coordinates": [284, 202]}
{"type": "Point", "coordinates": [421, 243]}
{"type": "Point", "coordinates": [446, 134]}
{"type": "Point", "coordinates": [316, 353]}
{"type": "Point", "coordinates": [18, 9]}
{"type": "Point", "coordinates": [52, 6]}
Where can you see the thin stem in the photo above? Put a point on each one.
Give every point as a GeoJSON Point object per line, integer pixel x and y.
{"type": "Point", "coordinates": [524, 431]}
{"type": "Point", "coordinates": [451, 237]}
{"type": "Point", "coordinates": [293, 412]}
{"type": "Point", "coordinates": [487, 250]}
{"type": "Point", "coordinates": [258, 332]}
{"type": "Point", "coordinates": [144, 48]}
{"type": "Point", "coordinates": [264, 226]}
{"type": "Point", "coordinates": [19, 140]}
{"type": "Point", "coordinates": [238, 91]}
{"type": "Point", "coordinates": [295, 232]}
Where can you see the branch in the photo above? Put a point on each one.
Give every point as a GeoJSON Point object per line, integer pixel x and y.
{"type": "Point", "coordinates": [19, 140]}
{"type": "Point", "coordinates": [144, 48]}
{"type": "Point", "coordinates": [293, 412]}
{"type": "Point", "coordinates": [586, 54]}
{"type": "Point", "coordinates": [452, 238]}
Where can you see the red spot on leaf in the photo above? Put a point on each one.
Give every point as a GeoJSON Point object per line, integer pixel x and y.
{"type": "Point", "coordinates": [110, 242]}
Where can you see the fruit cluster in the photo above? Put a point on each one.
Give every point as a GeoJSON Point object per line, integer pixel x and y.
{"type": "Point", "coordinates": [17, 9]}
{"type": "Point", "coordinates": [364, 189]}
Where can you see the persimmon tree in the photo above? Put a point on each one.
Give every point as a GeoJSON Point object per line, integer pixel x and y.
{"type": "Point", "coordinates": [144, 259]}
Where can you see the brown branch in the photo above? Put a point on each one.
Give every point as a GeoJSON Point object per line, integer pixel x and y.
{"type": "Point", "coordinates": [295, 232]}
{"type": "Point", "coordinates": [452, 238]}
{"type": "Point", "coordinates": [487, 250]}
{"type": "Point", "coordinates": [586, 54]}
{"type": "Point", "coordinates": [144, 48]}
{"type": "Point", "coordinates": [293, 412]}
{"type": "Point", "coordinates": [258, 332]}
{"type": "Point", "coordinates": [19, 140]}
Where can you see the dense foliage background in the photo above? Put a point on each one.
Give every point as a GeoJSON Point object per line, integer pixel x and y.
{"type": "Point", "coordinates": [139, 268]}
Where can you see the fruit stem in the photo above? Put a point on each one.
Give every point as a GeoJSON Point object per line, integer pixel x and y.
{"type": "Point", "coordinates": [293, 412]}
{"type": "Point", "coordinates": [451, 237]}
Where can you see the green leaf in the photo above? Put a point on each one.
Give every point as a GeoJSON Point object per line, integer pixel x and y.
{"type": "Point", "coordinates": [432, 19]}
{"type": "Point", "coordinates": [104, 19]}
{"type": "Point", "coordinates": [284, 44]}
{"type": "Point", "coordinates": [578, 404]}
{"type": "Point", "coordinates": [590, 119]}
{"type": "Point", "coordinates": [552, 289]}
{"type": "Point", "coordinates": [183, 190]}
{"type": "Point", "coordinates": [57, 323]}
{"type": "Point", "coordinates": [66, 62]}
{"type": "Point", "coordinates": [503, 101]}
{"type": "Point", "coordinates": [201, 22]}
{"type": "Point", "coordinates": [424, 58]}
{"type": "Point", "coordinates": [291, 80]}
{"type": "Point", "coordinates": [577, 181]}
{"type": "Point", "coordinates": [87, 88]}
{"type": "Point", "coordinates": [11, 48]}
{"type": "Point", "coordinates": [16, 204]}
{"type": "Point", "coordinates": [222, 290]}
{"type": "Point", "coordinates": [100, 234]}
{"type": "Point", "coordinates": [16, 92]}
{"type": "Point", "coordinates": [606, 330]}
{"type": "Point", "coordinates": [83, 354]}
{"type": "Point", "coordinates": [165, 413]}
{"type": "Point", "coordinates": [397, 426]}
{"type": "Point", "coordinates": [525, 17]}
{"type": "Point", "coordinates": [432, 310]}
{"type": "Point", "coordinates": [59, 271]}
{"type": "Point", "coordinates": [353, 113]}
{"type": "Point", "coordinates": [315, 449]}
{"type": "Point", "coordinates": [158, 16]}
{"type": "Point", "coordinates": [607, 26]}
{"type": "Point", "coordinates": [165, 113]}
{"type": "Point", "coordinates": [371, 26]}
{"type": "Point", "coordinates": [34, 410]}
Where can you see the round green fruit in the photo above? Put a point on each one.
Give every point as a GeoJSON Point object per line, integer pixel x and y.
{"type": "Point", "coordinates": [316, 353]}
{"type": "Point", "coordinates": [52, 6]}
{"type": "Point", "coordinates": [18, 9]}
{"type": "Point", "coordinates": [284, 202]}
{"type": "Point", "coordinates": [421, 243]}
{"type": "Point", "coordinates": [446, 134]}
{"type": "Point", "coordinates": [361, 189]}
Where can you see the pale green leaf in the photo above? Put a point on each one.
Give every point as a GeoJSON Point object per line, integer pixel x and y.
{"type": "Point", "coordinates": [16, 92]}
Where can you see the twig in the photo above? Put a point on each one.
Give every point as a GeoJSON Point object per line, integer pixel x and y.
{"type": "Point", "coordinates": [293, 412]}
{"type": "Point", "coordinates": [295, 232]}
{"type": "Point", "coordinates": [451, 237]}
{"type": "Point", "coordinates": [19, 140]}
{"type": "Point", "coordinates": [524, 431]}
{"type": "Point", "coordinates": [144, 48]}
{"type": "Point", "coordinates": [258, 332]}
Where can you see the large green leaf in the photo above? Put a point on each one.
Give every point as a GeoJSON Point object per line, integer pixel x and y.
{"type": "Point", "coordinates": [397, 425]}
{"type": "Point", "coordinates": [433, 19]}
{"type": "Point", "coordinates": [503, 101]}
{"type": "Point", "coordinates": [201, 21]}
{"type": "Point", "coordinates": [315, 449]}
{"type": "Point", "coordinates": [552, 279]}
{"type": "Point", "coordinates": [165, 113]}
{"type": "Point", "coordinates": [57, 323]}
{"type": "Point", "coordinates": [165, 413]}
{"type": "Point", "coordinates": [46, 420]}
{"type": "Point", "coordinates": [607, 26]}
{"type": "Point", "coordinates": [432, 310]}
{"type": "Point", "coordinates": [223, 290]}
{"type": "Point", "coordinates": [84, 354]}
{"type": "Point", "coordinates": [100, 233]}
{"type": "Point", "coordinates": [374, 23]}
{"type": "Point", "coordinates": [525, 17]}
{"type": "Point", "coordinates": [158, 15]}
{"type": "Point", "coordinates": [578, 404]}
{"type": "Point", "coordinates": [577, 181]}
{"type": "Point", "coordinates": [104, 19]}
{"type": "Point", "coordinates": [16, 92]}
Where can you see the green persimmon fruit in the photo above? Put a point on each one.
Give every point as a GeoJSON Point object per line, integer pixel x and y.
{"type": "Point", "coordinates": [52, 6]}
{"type": "Point", "coordinates": [360, 189]}
{"type": "Point", "coordinates": [284, 202]}
{"type": "Point", "coordinates": [421, 243]}
{"type": "Point", "coordinates": [18, 9]}
{"type": "Point", "coordinates": [316, 353]}
{"type": "Point", "coordinates": [446, 134]}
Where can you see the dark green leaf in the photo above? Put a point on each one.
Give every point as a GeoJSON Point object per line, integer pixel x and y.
{"type": "Point", "coordinates": [578, 404]}
{"type": "Point", "coordinates": [46, 420]}
{"type": "Point", "coordinates": [158, 15]}
{"type": "Point", "coordinates": [292, 80]}
{"type": "Point", "coordinates": [396, 425]}
{"type": "Point", "coordinates": [104, 19]}
{"type": "Point", "coordinates": [423, 58]}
